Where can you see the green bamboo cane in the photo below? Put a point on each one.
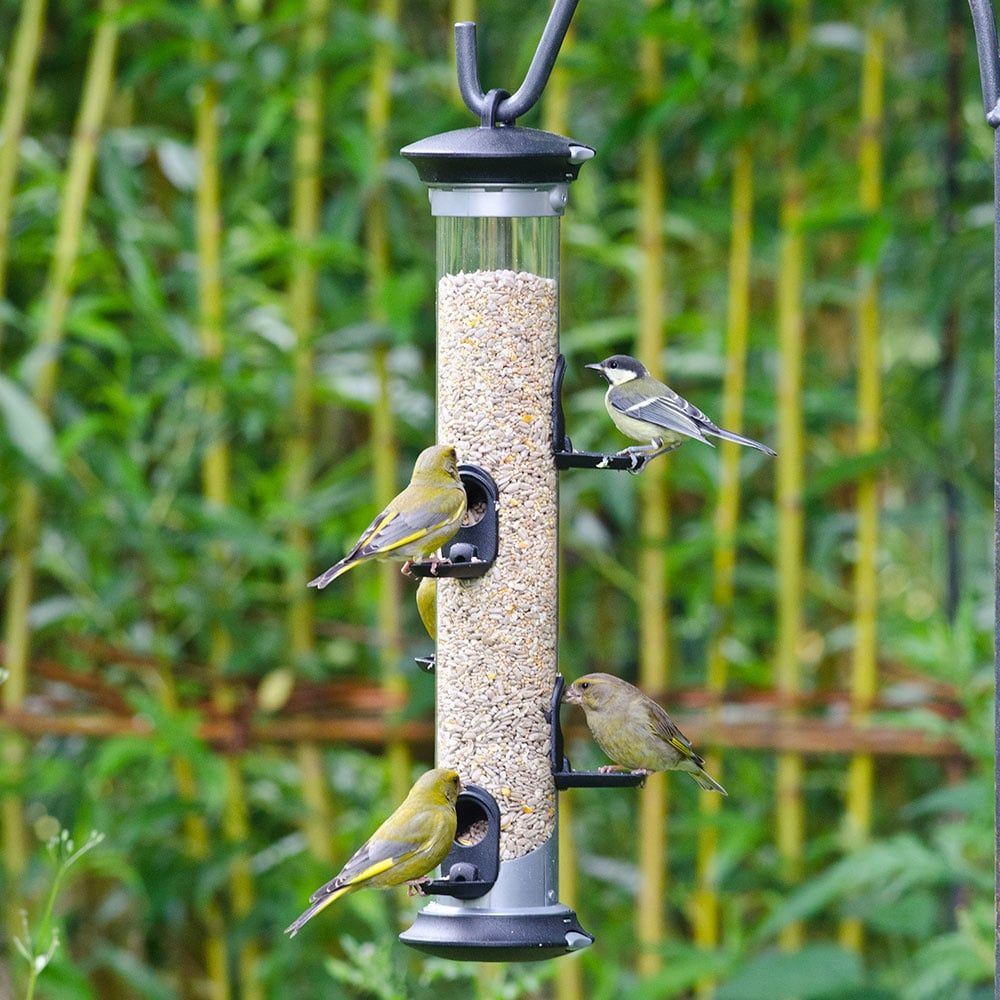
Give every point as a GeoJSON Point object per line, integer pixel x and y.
{"type": "Point", "coordinates": [864, 667]}
{"type": "Point", "coordinates": [306, 202]}
{"type": "Point", "coordinates": [654, 626]}
{"type": "Point", "coordinates": [569, 975]}
{"type": "Point", "coordinates": [23, 59]}
{"type": "Point", "coordinates": [790, 818]}
{"type": "Point", "coordinates": [705, 915]}
{"type": "Point", "coordinates": [97, 87]}
{"type": "Point", "coordinates": [385, 448]}
{"type": "Point", "coordinates": [216, 485]}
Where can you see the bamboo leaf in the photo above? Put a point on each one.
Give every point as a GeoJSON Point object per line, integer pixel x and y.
{"type": "Point", "coordinates": [27, 429]}
{"type": "Point", "coordinates": [817, 970]}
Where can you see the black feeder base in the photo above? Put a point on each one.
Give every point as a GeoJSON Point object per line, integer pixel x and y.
{"type": "Point", "coordinates": [466, 936]}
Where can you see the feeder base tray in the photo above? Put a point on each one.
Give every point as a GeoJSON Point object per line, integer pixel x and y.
{"type": "Point", "coordinates": [465, 935]}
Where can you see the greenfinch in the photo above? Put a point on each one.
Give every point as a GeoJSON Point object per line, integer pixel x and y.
{"type": "Point", "coordinates": [415, 839]}
{"type": "Point", "coordinates": [645, 409]}
{"type": "Point", "coordinates": [427, 594]}
{"type": "Point", "coordinates": [417, 522]}
{"type": "Point", "coordinates": [635, 732]}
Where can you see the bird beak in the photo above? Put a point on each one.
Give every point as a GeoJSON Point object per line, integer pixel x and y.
{"type": "Point", "coordinates": [571, 696]}
{"type": "Point", "coordinates": [597, 366]}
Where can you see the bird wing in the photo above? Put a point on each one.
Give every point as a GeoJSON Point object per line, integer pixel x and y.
{"type": "Point", "coordinates": [666, 410]}
{"type": "Point", "coordinates": [403, 522]}
{"type": "Point", "coordinates": [371, 859]}
{"type": "Point", "coordinates": [663, 726]}
{"type": "Point", "coordinates": [410, 837]}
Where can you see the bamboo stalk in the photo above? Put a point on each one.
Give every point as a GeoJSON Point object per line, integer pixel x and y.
{"type": "Point", "coordinates": [790, 818]}
{"type": "Point", "coordinates": [463, 10]}
{"type": "Point", "coordinates": [864, 666]}
{"type": "Point", "coordinates": [951, 380]}
{"type": "Point", "coordinates": [555, 106]}
{"type": "Point", "coordinates": [385, 450]}
{"type": "Point", "coordinates": [569, 975]}
{"type": "Point", "coordinates": [97, 87]}
{"type": "Point", "coordinates": [196, 840]}
{"type": "Point", "coordinates": [23, 59]}
{"type": "Point", "coordinates": [216, 487]}
{"type": "Point", "coordinates": [654, 636]}
{"type": "Point", "coordinates": [306, 202]}
{"type": "Point", "coordinates": [706, 906]}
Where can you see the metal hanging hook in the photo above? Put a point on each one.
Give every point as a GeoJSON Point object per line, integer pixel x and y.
{"type": "Point", "coordinates": [525, 97]}
{"type": "Point", "coordinates": [989, 57]}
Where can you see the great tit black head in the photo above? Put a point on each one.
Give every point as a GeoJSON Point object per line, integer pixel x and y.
{"type": "Point", "coordinates": [619, 368]}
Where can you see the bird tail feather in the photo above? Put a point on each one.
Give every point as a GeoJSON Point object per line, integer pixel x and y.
{"type": "Point", "coordinates": [706, 781]}
{"type": "Point", "coordinates": [739, 439]}
{"type": "Point", "coordinates": [320, 904]}
{"type": "Point", "coordinates": [338, 569]}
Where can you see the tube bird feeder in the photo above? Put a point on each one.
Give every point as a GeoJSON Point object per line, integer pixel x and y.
{"type": "Point", "coordinates": [497, 192]}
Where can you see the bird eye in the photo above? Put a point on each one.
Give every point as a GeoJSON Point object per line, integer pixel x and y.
{"type": "Point", "coordinates": [585, 685]}
{"type": "Point", "coordinates": [612, 364]}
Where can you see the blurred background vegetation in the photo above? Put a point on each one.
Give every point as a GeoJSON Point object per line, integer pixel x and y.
{"type": "Point", "coordinates": [217, 356]}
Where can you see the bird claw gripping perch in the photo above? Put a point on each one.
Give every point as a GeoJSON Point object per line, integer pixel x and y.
{"type": "Point", "coordinates": [563, 774]}
{"type": "Point", "coordinates": [471, 869]}
{"type": "Point", "coordinates": [567, 457]}
{"type": "Point", "coordinates": [473, 550]}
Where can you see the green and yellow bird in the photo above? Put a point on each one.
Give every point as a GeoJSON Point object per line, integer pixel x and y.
{"type": "Point", "coordinates": [417, 522]}
{"type": "Point", "coordinates": [427, 605]}
{"type": "Point", "coordinates": [414, 840]}
{"type": "Point", "coordinates": [635, 732]}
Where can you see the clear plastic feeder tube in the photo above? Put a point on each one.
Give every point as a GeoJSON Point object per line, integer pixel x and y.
{"type": "Point", "coordinates": [498, 338]}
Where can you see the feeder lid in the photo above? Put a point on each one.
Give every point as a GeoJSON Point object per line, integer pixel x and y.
{"type": "Point", "coordinates": [503, 154]}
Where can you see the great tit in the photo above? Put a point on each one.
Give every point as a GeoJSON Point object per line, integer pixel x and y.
{"type": "Point", "coordinates": [417, 522]}
{"type": "Point", "coordinates": [645, 409]}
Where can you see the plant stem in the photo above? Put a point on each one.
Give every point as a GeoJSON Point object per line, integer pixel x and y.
{"type": "Point", "coordinates": [216, 487]}
{"type": "Point", "coordinates": [568, 975]}
{"type": "Point", "coordinates": [97, 86]}
{"type": "Point", "coordinates": [385, 449]}
{"type": "Point", "coordinates": [790, 823]}
{"type": "Point", "coordinates": [706, 905]}
{"type": "Point", "coordinates": [306, 202]}
{"type": "Point", "coordinates": [654, 627]}
{"type": "Point", "coordinates": [23, 59]}
{"type": "Point", "coordinates": [864, 666]}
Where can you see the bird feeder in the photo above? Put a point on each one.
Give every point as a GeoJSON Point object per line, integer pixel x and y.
{"type": "Point", "coordinates": [497, 192]}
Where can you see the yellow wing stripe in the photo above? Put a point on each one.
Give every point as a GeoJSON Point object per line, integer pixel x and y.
{"type": "Point", "coordinates": [406, 541]}
{"type": "Point", "coordinates": [372, 870]}
{"type": "Point", "coordinates": [681, 746]}
{"type": "Point", "coordinates": [417, 534]}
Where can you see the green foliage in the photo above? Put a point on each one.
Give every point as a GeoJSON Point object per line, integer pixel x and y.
{"type": "Point", "coordinates": [128, 590]}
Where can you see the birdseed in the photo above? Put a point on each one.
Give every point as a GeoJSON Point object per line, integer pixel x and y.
{"type": "Point", "coordinates": [498, 337]}
{"type": "Point", "coordinates": [473, 834]}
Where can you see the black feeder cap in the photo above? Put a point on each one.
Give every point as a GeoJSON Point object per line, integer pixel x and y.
{"type": "Point", "coordinates": [502, 154]}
